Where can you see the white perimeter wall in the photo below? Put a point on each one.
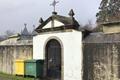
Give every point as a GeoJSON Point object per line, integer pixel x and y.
{"type": "Point", "coordinates": [72, 52]}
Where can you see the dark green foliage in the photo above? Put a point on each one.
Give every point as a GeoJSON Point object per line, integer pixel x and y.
{"type": "Point", "coordinates": [109, 11]}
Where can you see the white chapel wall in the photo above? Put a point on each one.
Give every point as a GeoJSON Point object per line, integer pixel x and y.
{"type": "Point", "coordinates": [57, 23]}
{"type": "Point", "coordinates": [48, 25]}
{"type": "Point", "coordinates": [72, 52]}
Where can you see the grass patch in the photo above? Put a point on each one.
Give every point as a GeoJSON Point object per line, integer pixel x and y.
{"type": "Point", "coordinates": [13, 77]}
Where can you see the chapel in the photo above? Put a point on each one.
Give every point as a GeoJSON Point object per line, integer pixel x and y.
{"type": "Point", "coordinates": [59, 44]}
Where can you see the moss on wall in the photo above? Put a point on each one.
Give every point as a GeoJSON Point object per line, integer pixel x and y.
{"type": "Point", "coordinates": [8, 55]}
{"type": "Point", "coordinates": [101, 61]}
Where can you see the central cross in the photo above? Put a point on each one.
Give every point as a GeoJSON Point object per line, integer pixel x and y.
{"type": "Point", "coordinates": [54, 4]}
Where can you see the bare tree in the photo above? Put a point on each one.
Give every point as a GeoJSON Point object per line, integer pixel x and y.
{"type": "Point", "coordinates": [8, 33]}
{"type": "Point", "coordinates": [88, 26]}
{"type": "Point", "coordinates": [1, 38]}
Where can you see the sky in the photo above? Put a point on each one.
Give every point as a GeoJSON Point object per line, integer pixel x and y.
{"type": "Point", "coordinates": [14, 13]}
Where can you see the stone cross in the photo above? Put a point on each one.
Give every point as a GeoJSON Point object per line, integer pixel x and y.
{"type": "Point", "coordinates": [25, 24]}
{"type": "Point", "coordinates": [54, 4]}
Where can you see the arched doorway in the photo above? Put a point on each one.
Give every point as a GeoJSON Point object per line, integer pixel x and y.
{"type": "Point", "coordinates": [53, 59]}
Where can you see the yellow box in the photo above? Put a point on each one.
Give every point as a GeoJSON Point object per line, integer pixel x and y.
{"type": "Point", "coordinates": [19, 67]}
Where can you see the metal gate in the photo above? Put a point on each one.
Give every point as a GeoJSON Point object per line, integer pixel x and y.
{"type": "Point", "coordinates": [53, 59]}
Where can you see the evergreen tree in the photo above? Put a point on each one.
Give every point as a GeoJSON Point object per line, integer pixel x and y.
{"type": "Point", "coordinates": [109, 11]}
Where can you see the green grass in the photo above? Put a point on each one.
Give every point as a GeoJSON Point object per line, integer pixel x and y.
{"type": "Point", "coordinates": [13, 77]}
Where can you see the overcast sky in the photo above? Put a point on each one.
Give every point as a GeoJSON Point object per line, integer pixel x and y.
{"type": "Point", "coordinates": [14, 13]}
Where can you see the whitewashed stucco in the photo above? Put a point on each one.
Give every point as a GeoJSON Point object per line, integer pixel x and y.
{"type": "Point", "coordinates": [71, 51]}
{"type": "Point", "coordinates": [56, 24]}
